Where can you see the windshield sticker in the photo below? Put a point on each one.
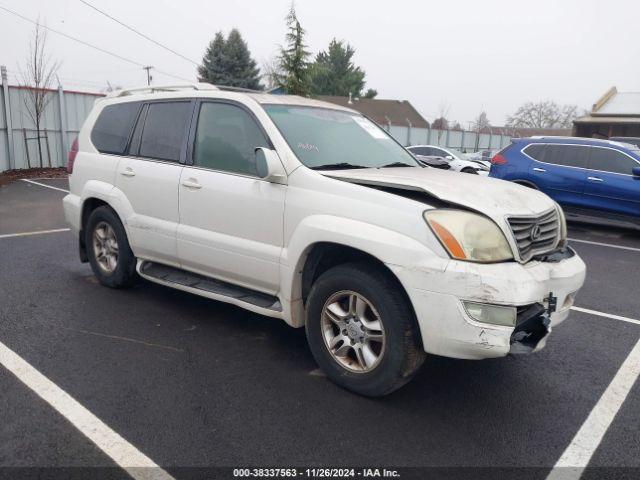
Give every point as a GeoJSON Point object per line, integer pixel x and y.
{"type": "Point", "coordinates": [308, 146]}
{"type": "Point", "coordinates": [369, 127]}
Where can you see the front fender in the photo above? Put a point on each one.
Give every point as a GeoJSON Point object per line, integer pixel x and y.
{"type": "Point", "coordinates": [388, 246]}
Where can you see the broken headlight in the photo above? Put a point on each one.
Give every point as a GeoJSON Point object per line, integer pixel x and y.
{"type": "Point", "coordinates": [469, 236]}
{"type": "Point", "coordinates": [563, 226]}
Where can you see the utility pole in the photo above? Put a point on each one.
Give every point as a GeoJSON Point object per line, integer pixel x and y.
{"type": "Point", "coordinates": [149, 77]}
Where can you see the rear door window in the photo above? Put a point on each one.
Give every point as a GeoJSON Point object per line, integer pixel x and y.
{"type": "Point", "coordinates": [609, 160]}
{"type": "Point", "coordinates": [164, 132]}
{"type": "Point", "coordinates": [112, 129]}
{"type": "Point", "coordinates": [566, 155]}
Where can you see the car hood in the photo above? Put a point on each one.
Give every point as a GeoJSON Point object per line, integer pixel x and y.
{"type": "Point", "coordinates": [495, 198]}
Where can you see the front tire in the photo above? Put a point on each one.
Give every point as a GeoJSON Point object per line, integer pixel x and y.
{"type": "Point", "coordinates": [361, 329]}
{"type": "Point", "coordinates": [110, 255]}
{"type": "Point", "coordinates": [469, 170]}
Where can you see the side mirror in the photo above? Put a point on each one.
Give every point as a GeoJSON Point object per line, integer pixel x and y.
{"type": "Point", "coordinates": [636, 171]}
{"type": "Point", "coordinates": [269, 167]}
{"type": "Point", "coordinates": [449, 157]}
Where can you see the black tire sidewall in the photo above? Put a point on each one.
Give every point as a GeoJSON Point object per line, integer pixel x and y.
{"type": "Point", "coordinates": [395, 368]}
{"type": "Point", "coordinates": [124, 275]}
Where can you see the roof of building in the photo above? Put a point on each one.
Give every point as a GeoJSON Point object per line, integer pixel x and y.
{"type": "Point", "coordinates": [614, 107]}
{"type": "Point", "coordinates": [615, 103]}
{"type": "Point", "coordinates": [383, 112]}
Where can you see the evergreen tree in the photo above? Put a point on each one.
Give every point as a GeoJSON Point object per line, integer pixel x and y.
{"type": "Point", "coordinates": [293, 59]}
{"type": "Point", "coordinates": [370, 93]}
{"type": "Point", "coordinates": [334, 73]}
{"type": "Point", "coordinates": [228, 62]}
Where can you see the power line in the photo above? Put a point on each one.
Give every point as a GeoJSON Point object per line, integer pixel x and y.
{"type": "Point", "coordinates": [120, 57]}
{"type": "Point", "coordinates": [137, 32]}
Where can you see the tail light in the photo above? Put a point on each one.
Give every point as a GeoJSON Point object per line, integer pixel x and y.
{"type": "Point", "coordinates": [498, 160]}
{"type": "Point", "coordinates": [72, 156]}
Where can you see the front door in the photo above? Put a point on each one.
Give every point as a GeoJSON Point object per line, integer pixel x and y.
{"type": "Point", "coordinates": [231, 221]}
{"type": "Point", "coordinates": [611, 185]}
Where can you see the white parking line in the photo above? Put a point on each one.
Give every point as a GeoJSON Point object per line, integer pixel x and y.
{"type": "Point", "coordinates": [117, 448]}
{"type": "Point", "coordinates": [610, 245]}
{"type": "Point", "coordinates": [45, 185]}
{"type": "Point", "coordinates": [607, 315]}
{"type": "Point", "coordinates": [577, 455]}
{"type": "Point", "coordinates": [38, 232]}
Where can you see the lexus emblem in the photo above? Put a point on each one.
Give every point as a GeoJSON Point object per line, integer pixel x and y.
{"type": "Point", "coordinates": [535, 232]}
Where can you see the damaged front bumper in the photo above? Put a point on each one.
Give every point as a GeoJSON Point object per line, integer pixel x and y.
{"type": "Point", "coordinates": [438, 293]}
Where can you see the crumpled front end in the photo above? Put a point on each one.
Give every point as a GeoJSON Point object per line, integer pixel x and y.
{"type": "Point", "coordinates": [540, 294]}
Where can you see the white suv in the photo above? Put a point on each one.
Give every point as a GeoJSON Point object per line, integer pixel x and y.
{"type": "Point", "coordinates": [308, 212]}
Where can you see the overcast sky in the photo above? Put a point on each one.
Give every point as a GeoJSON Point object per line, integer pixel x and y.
{"type": "Point", "coordinates": [464, 56]}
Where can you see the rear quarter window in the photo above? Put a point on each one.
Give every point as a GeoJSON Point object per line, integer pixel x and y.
{"type": "Point", "coordinates": [535, 151]}
{"type": "Point", "coordinates": [111, 131]}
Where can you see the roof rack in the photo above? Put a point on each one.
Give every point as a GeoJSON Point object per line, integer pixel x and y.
{"type": "Point", "coordinates": [227, 88]}
{"type": "Point", "coordinates": [162, 88]}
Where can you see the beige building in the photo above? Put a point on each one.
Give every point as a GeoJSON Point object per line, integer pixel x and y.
{"type": "Point", "coordinates": [616, 114]}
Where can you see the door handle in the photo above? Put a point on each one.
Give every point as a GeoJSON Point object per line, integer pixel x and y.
{"type": "Point", "coordinates": [191, 183]}
{"type": "Point", "coordinates": [128, 172]}
{"type": "Point", "coordinates": [595, 179]}
{"type": "Point", "coordinates": [536, 169]}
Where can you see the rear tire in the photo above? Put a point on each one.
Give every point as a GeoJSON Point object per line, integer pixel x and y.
{"type": "Point", "coordinates": [362, 330]}
{"type": "Point", "coordinates": [469, 170]}
{"type": "Point", "coordinates": [108, 250]}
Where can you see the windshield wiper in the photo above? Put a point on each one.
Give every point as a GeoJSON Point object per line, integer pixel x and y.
{"type": "Point", "coordinates": [337, 166]}
{"type": "Point", "coordinates": [397, 164]}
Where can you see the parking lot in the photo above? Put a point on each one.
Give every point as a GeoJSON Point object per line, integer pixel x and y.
{"type": "Point", "coordinates": [187, 383]}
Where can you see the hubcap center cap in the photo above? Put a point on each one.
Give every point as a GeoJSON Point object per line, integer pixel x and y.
{"type": "Point", "coordinates": [355, 331]}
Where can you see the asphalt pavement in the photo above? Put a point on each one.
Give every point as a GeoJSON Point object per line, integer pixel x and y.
{"type": "Point", "coordinates": [197, 383]}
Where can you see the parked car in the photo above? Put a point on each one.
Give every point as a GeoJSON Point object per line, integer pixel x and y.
{"type": "Point", "coordinates": [632, 140]}
{"type": "Point", "coordinates": [457, 159]}
{"type": "Point", "coordinates": [482, 157]}
{"type": "Point", "coordinates": [594, 180]}
{"type": "Point", "coordinates": [308, 212]}
{"type": "Point", "coordinates": [435, 162]}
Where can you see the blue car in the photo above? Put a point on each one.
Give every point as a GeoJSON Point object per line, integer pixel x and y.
{"type": "Point", "coordinates": [593, 180]}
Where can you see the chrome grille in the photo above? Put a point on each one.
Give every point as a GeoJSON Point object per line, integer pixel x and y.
{"type": "Point", "coordinates": [535, 235]}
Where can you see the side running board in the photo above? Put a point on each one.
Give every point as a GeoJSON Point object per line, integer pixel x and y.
{"type": "Point", "coordinates": [195, 281]}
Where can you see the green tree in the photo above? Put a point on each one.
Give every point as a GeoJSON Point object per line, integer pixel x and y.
{"type": "Point", "coordinates": [228, 62]}
{"type": "Point", "coordinates": [370, 93]}
{"type": "Point", "coordinates": [333, 72]}
{"type": "Point", "coordinates": [294, 58]}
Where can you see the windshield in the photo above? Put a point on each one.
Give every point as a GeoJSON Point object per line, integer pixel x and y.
{"type": "Point", "coordinates": [457, 153]}
{"type": "Point", "coordinates": [325, 138]}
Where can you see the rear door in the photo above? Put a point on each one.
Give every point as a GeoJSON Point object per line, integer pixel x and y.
{"type": "Point", "coordinates": [610, 184]}
{"type": "Point", "coordinates": [559, 170]}
{"type": "Point", "coordinates": [231, 221]}
{"type": "Point", "coordinates": [149, 178]}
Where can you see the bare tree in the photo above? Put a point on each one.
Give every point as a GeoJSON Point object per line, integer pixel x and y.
{"type": "Point", "coordinates": [271, 72]}
{"type": "Point", "coordinates": [543, 114]}
{"type": "Point", "coordinates": [441, 123]}
{"type": "Point", "coordinates": [37, 77]}
{"type": "Point", "coordinates": [481, 122]}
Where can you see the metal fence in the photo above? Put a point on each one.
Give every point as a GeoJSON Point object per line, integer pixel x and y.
{"type": "Point", "coordinates": [67, 110]}
{"type": "Point", "coordinates": [464, 141]}
{"type": "Point", "coordinates": [60, 123]}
